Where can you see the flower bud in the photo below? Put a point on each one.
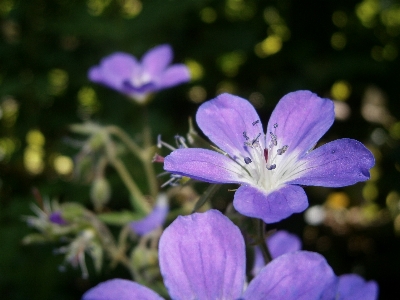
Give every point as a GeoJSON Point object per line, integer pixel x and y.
{"type": "Point", "coordinates": [100, 192]}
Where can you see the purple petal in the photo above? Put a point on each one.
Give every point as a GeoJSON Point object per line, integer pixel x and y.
{"type": "Point", "coordinates": [354, 287]}
{"type": "Point", "coordinates": [202, 256]}
{"type": "Point", "coordinates": [155, 219]}
{"type": "Point", "coordinates": [205, 165]}
{"type": "Point", "coordinates": [156, 60]}
{"type": "Point", "coordinates": [296, 275]}
{"type": "Point", "coordinates": [114, 70]}
{"type": "Point", "coordinates": [120, 289]}
{"type": "Point", "coordinates": [302, 118]}
{"type": "Point", "coordinates": [338, 163]}
{"type": "Point", "coordinates": [174, 75]}
{"type": "Point", "coordinates": [283, 242]}
{"type": "Point", "coordinates": [272, 207]}
{"type": "Point", "coordinates": [225, 119]}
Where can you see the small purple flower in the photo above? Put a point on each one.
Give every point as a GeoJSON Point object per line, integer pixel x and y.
{"type": "Point", "coordinates": [56, 218]}
{"type": "Point", "coordinates": [153, 220]}
{"type": "Point", "coordinates": [271, 167]}
{"type": "Point", "coordinates": [202, 256]}
{"type": "Point", "coordinates": [124, 73]}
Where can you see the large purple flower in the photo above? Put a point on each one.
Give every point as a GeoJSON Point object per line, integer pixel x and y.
{"type": "Point", "coordinates": [124, 73]}
{"type": "Point", "coordinates": [202, 256]}
{"type": "Point", "coordinates": [270, 167]}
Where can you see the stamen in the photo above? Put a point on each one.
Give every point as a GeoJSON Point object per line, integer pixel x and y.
{"type": "Point", "coordinates": [271, 167]}
{"type": "Point", "coordinates": [247, 160]}
{"type": "Point", "coordinates": [275, 125]}
{"type": "Point", "coordinates": [180, 142]}
{"type": "Point", "coordinates": [255, 122]}
{"type": "Point", "coordinates": [256, 139]}
{"type": "Point", "coordinates": [273, 138]}
{"type": "Point", "coordinates": [282, 150]}
{"type": "Point", "coordinates": [266, 155]}
{"type": "Point", "coordinates": [158, 158]}
{"type": "Point", "coordinates": [245, 135]}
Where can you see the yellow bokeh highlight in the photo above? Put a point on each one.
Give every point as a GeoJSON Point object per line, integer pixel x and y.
{"type": "Point", "coordinates": [239, 9]}
{"type": "Point", "coordinates": [88, 102]}
{"type": "Point", "coordinates": [338, 40]}
{"type": "Point", "coordinates": [394, 131]}
{"type": "Point", "coordinates": [7, 148]}
{"type": "Point", "coordinates": [58, 81]}
{"type": "Point", "coordinates": [337, 200]}
{"type": "Point", "coordinates": [370, 191]}
{"type": "Point", "coordinates": [230, 62]}
{"type": "Point", "coordinates": [271, 45]}
{"type": "Point", "coordinates": [226, 86]}
{"type": "Point", "coordinates": [131, 8]}
{"type": "Point", "coordinates": [389, 52]}
{"type": "Point", "coordinates": [396, 224]}
{"type": "Point", "coordinates": [391, 17]}
{"type": "Point", "coordinates": [341, 90]}
{"type": "Point", "coordinates": [339, 18]}
{"type": "Point", "coordinates": [366, 12]}
{"type": "Point", "coordinates": [9, 111]}
{"type": "Point", "coordinates": [392, 201]}
{"type": "Point", "coordinates": [208, 15]}
{"type": "Point", "coordinates": [375, 173]}
{"type": "Point", "coordinates": [195, 68]}
{"type": "Point", "coordinates": [96, 7]}
{"type": "Point", "coordinates": [6, 6]}
{"type": "Point", "coordinates": [63, 164]}
{"type": "Point", "coordinates": [34, 152]}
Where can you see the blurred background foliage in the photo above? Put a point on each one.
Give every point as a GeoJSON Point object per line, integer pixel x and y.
{"type": "Point", "coordinates": [346, 50]}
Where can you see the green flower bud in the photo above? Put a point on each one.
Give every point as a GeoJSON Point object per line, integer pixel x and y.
{"type": "Point", "coordinates": [100, 192]}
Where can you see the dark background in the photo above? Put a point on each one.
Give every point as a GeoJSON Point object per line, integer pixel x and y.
{"type": "Point", "coordinates": [47, 46]}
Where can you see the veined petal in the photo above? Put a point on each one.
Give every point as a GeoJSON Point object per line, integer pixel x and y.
{"type": "Point", "coordinates": [153, 220]}
{"type": "Point", "coordinates": [225, 118]}
{"type": "Point", "coordinates": [114, 70]}
{"type": "Point", "coordinates": [173, 75]}
{"type": "Point", "coordinates": [302, 118]}
{"type": "Point", "coordinates": [202, 256]}
{"type": "Point", "coordinates": [205, 165]}
{"type": "Point", "coordinates": [157, 59]}
{"type": "Point", "coordinates": [354, 287]}
{"type": "Point", "coordinates": [272, 207]}
{"type": "Point", "coordinates": [283, 242]}
{"type": "Point", "coordinates": [300, 275]}
{"type": "Point", "coordinates": [339, 163]}
{"type": "Point", "coordinates": [120, 289]}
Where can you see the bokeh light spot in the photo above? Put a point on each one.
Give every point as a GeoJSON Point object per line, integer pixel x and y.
{"type": "Point", "coordinates": [63, 164]}
{"type": "Point", "coordinates": [195, 68]}
{"type": "Point", "coordinates": [271, 45]}
{"type": "Point", "coordinates": [370, 191]}
{"type": "Point", "coordinates": [339, 18]}
{"type": "Point", "coordinates": [197, 94]}
{"type": "Point", "coordinates": [341, 90]}
{"type": "Point", "coordinates": [208, 15]}
{"type": "Point", "coordinates": [338, 40]}
{"type": "Point", "coordinates": [337, 200]}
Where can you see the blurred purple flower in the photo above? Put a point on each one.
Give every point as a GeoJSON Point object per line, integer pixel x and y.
{"type": "Point", "coordinates": [124, 73]}
{"type": "Point", "coordinates": [349, 287]}
{"type": "Point", "coordinates": [202, 256]}
{"type": "Point", "coordinates": [56, 218]}
{"type": "Point", "coordinates": [271, 167]}
{"type": "Point", "coordinates": [153, 220]}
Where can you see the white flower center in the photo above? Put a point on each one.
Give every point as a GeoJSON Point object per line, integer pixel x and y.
{"type": "Point", "coordinates": [268, 167]}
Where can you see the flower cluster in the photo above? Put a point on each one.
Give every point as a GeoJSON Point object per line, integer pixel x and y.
{"type": "Point", "coordinates": [202, 256]}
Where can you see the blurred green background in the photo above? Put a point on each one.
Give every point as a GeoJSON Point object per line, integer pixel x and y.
{"type": "Point", "coordinates": [346, 50]}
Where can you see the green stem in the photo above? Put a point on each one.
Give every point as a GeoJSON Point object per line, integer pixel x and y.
{"type": "Point", "coordinates": [263, 245]}
{"type": "Point", "coordinates": [137, 199]}
{"type": "Point", "coordinates": [144, 155]}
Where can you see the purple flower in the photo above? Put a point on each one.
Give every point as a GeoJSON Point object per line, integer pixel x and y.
{"type": "Point", "coordinates": [155, 219]}
{"type": "Point", "coordinates": [202, 256]}
{"type": "Point", "coordinates": [124, 73]}
{"type": "Point", "coordinates": [270, 167]}
{"type": "Point", "coordinates": [56, 218]}
{"type": "Point", "coordinates": [350, 286]}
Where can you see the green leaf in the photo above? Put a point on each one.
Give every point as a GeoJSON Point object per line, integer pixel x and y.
{"type": "Point", "coordinates": [119, 218]}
